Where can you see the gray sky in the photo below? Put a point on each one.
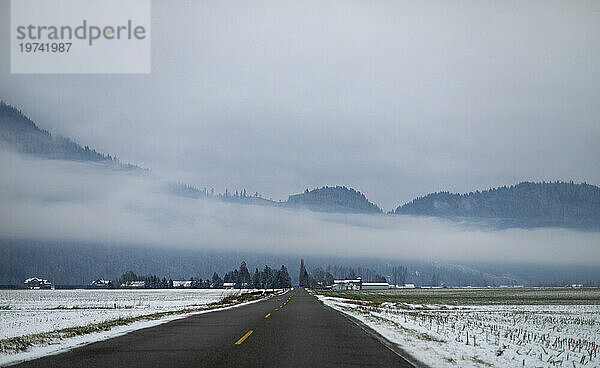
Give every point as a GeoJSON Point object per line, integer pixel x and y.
{"type": "Point", "coordinates": [394, 98]}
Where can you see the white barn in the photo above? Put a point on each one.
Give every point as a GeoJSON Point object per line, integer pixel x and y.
{"type": "Point", "coordinates": [375, 286]}
{"type": "Point", "coordinates": [182, 284]}
{"type": "Point", "coordinates": [347, 284]}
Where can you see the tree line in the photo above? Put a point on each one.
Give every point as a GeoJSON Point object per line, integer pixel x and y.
{"type": "Point", "coordinates": [241, 278]}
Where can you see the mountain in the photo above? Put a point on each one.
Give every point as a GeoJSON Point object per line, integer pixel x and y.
{"type": "Point", "coordinates": [523, 205]}
{"type": "Point", "coordinates": [325, 199]}
{"type": "Point", "coordinates": [19, 133]}
{"type": "Point", "coordinates": [333, 199]}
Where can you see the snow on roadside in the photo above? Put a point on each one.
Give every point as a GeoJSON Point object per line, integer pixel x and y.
{"type": "Point", "coordinates": [24, 312]}
{"type": "Point", "coordinates": [38, 311]}
{"type": "Point", "coordinates": [499, 336]}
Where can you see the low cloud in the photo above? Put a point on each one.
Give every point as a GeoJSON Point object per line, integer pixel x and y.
{"type": "Point", "coordinates": [81, 202]}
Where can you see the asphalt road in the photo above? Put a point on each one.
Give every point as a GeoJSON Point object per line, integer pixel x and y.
{"type": "Point", "coordinates": [291, 330]}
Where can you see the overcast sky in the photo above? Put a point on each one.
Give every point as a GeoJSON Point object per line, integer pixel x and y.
{"type": "Point", "coordinates": [396, 99]}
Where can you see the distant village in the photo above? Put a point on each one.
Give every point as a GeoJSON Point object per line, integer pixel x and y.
{"type": "Point", "coordinates": [243, 278]}
{"type": "Point", "coordinates": [39, 283]}
{"type": "Point", "coordinates": [346, 284]}
{"type": "Point", "coordinates": [354, 284]}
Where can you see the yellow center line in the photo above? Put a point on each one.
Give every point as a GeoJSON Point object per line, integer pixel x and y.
{"type": "Point", "coordinates": [267, 316]}
{"type": "Point", "coordinates": [241, 340]}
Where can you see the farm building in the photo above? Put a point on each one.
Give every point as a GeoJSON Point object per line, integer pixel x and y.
{"type": "Point", "coordinates": [101, 284]}
{"type": "Point", "coordinates": [182, 284]}
{"type": "Point", "coordinates": [134, 284]}
{"type": "Point", "coordinates": [347, 284]}
{"type": "Point", "coordinates": [36, 283]}
{"type": "Point", "coordinates": [228, 285]}
{"type": "Point", "coordinates": [358, 284]}
{"type": "Point", "coordinates": [375, 286]}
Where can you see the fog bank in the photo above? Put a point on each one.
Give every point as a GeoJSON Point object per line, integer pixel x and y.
{"type": "Point", "coordinates": [70, 201]}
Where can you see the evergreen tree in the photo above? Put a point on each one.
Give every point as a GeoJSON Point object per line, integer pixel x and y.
{"type": "Point", "coordinates": [283, 279]}
{"type": "Point", "coordinates": [127, 277]}
{"type": "Point", "coordinates": [243, 275]}
{"type": "Point", "coordinates": [303, 278]}
{"type": "Point", "coordinates": [216, 281]}
{"type": "Point", "coordinates": [268, 278]}
{"type": "Point", "coordinates": [257, 279]}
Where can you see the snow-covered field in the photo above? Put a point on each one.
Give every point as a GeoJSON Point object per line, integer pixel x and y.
{"type": "Point", "coordinates": [26, 313]}
{"type": "Point", "coordinates": [540, 335]}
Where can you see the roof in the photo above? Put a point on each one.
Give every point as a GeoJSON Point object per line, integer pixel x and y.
{"type": "Point", "coordinates": [346, 281]}
{"type": "Point", "coordinates": [134, 284]}
{"type": "Point", "coordinates": [35, 279]}
{"type": "Point", "coordinates": [182, 283]}
{"type": "Point", "coordinates": [101, 281]}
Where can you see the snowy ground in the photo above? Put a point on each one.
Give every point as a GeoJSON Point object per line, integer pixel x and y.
{"type": "Point", "coordinates": [24, 312]}
{"type": "Point", "coordinates": [33, 312]}
{"type": "Point", "coordinates": [538, 335]}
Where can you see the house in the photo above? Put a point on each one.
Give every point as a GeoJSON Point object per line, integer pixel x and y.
{"type": "Point", "coordinates": [134, 284]}
{"type": "Point", "coordinates": [375, 286]}
{"type": "Point", "coordinates": [36, 283]}
{"type": "Point", "coordinates": [228, 285]}
{"type": "Point", "coordinates": [101, 284]}
{"type": "Point", "coordinates": [347, 284]}
{"type": "Point", "coordinates": [182, 284]}
{"type": "Point", "coordinates": [358, 284]}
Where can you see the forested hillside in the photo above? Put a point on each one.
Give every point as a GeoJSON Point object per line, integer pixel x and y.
{"type": "Point", "coordinates": [325, 199]}
{"type": "Point", "coordinates": [19, 133]}
{"type": "Point", "coordinates": [525, 204]}
{"type": "Point", "coordinates": [79, 264]}
{"type": "Point", "coordinates": [333, 199]}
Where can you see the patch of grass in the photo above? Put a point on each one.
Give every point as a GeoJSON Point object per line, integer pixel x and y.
{"type": "Point", "coordinates": [480, 361]}
{"type": "Point", "coordinates": [78, 307]}
{"type": "Point", "coordinates": [484, 296]}
{"type": "Point", "coordinates": [240, 297]}
{"type": "Point", "coordinates": [428, 337]}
